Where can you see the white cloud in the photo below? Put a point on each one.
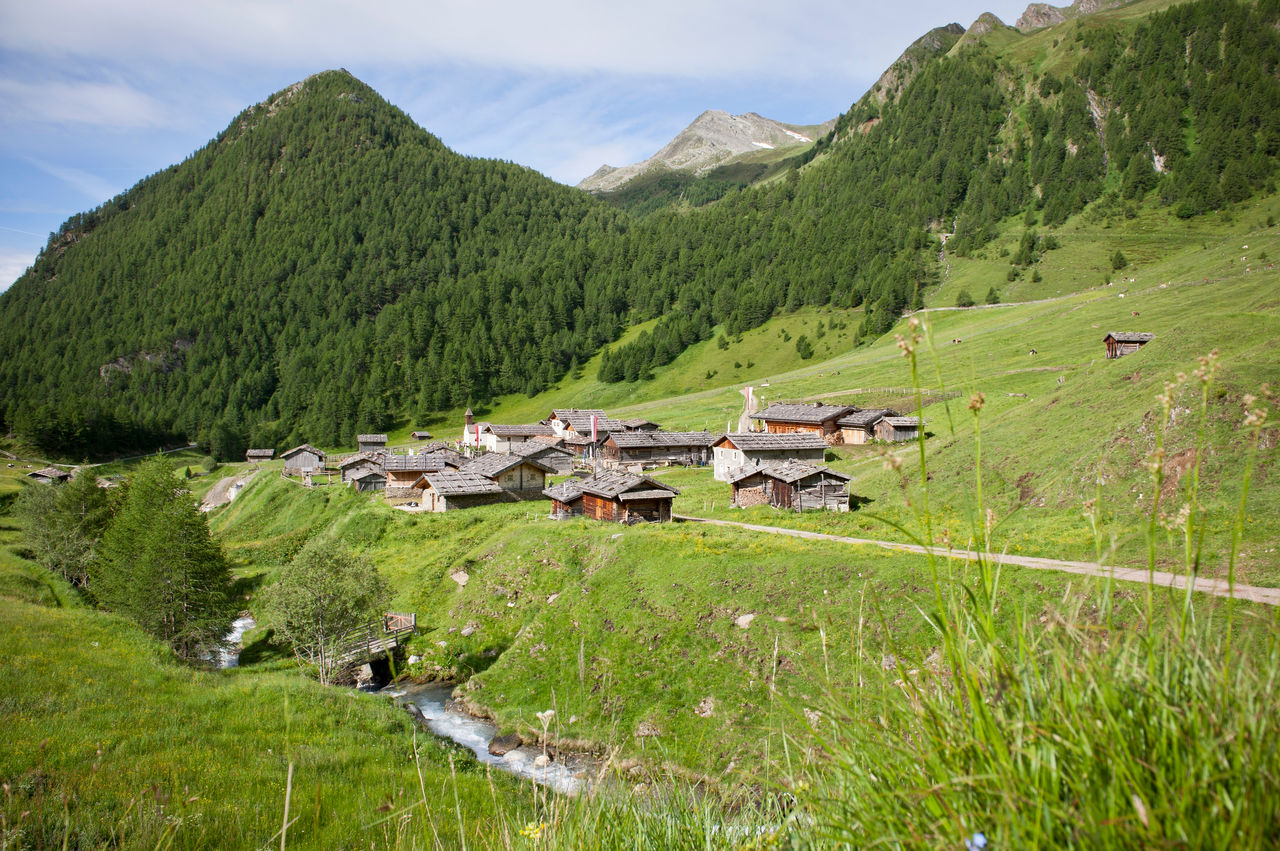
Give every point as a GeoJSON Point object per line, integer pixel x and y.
{"type": "Point", "coordinates": [109, 104]}
{"type": "Point", "coordinates": [12, 265]}
{"type": "Point", "coordinates": [87, 183]}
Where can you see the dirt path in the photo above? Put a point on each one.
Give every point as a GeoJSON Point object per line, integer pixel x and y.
{"type": "Point", "coordinates": [1218, 587]}
{"type": "Point", "coordinates": [222, 492]}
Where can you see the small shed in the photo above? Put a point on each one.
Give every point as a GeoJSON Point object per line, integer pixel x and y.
{"type": "Point", "coordinates": [638, 424]}
{"type": "Point", "coordinates": [637, 450]}
{"type": "Point", "coordinates": [519, 475]}
{"type": "Point", "coordinates": [403, 471]}
{"type": "Point", "coordinates": [419, 435]}
{"type": "Point", "coordinates": [559, 459]}
{"type": "Point", "coordinates": [50, 475]}
{"type": "Point", "coordinates": [790, 485]}
{"type": "Point", "coordinates": [258, 456]}
{"type": "Point", "coordinates": [860, 427]}
{"type": "Point", "coordinates": [447, 490]}
{"type": "Point", "coordinates": [354, 466]}
{"type": "Point", "coordinates": [818, 418]}
{"type": "Point", "coordinates": [371, 480]}
{"type": "Point", "coordinates": [566, 498]}
{"type": "Point", "coordinates": [1121, 343]}
{"type": "Point", "coordinates": [754, 447]}
{"type": "Point", "coordinates": [898, 429]}
{"type": "Point", "coordinates": [626, 498]}
{"type": "Point", "coordinates": [303, 459]}
{"type": "Point", "coordinates": [371, 442]}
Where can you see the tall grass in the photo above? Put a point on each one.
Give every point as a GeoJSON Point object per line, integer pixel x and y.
{"type": "Point", "coordinates": [1071, 733]}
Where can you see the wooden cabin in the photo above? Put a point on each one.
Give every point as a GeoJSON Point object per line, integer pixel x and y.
{"type": "Point", "coordinates": [521, 476]}
{"type": "Point", "coordinates": [1121, 343]}
{"type": "Point", "coordinates": [403, 471]}
{"type": "Point", "coordinates": [566, 498]}
{"type": "Point", "coordinates": [565, 421]}
{"type": "Point", "coordinates": [451, 457]}
{"type": "Point", "coordinates": [370, 481]}
{"type": "Point", "coordinates": [860, 427]}
{"type": "Point", "coordinates": [817, 418]}
{"type": "Point", "coordinates": [790, 485]}
{"type": "Point", "coordinates": [419, 435]}
{"type": "Point", "coordinates": [447, 490]}
{"type": "Point", "coordinates": [639, 450]}
{"type": "Point", "coordinates": [259, 456]}
{"type": "Point", "coordinates": [753, 447]}
{"type": "Point", "coordinates": [303, 459]}
{"type": "Point", "coordinates": [640, 425]}
{"type": "Point", "coordinates": [371, 442]}
{"type": "Point", "coordinates": [626, 498]}
{"type": "Point", "coordinates": [49, 475]}
{"type": "Point", "coordinates": [898, 429]}
{"type": "Point", "coordinates": [497, 437]}
{"type": "Point", "coordinates": [354, 466]}
{"type": "Point", "coordinates": [559, 459]}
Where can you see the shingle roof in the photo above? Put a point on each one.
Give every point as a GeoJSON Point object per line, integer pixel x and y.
{"type": "Point", "coordinates": [420, 435]}
{"type": "Point", "coordinates": [457, 483]}
{"type": "Point", "coordinates": [359, 458]}
{"type": "Point", "coordinates": [862, 419]}
{"type": "Point", "coordinates": [50, 473]}
{"type": "Point", "coordinates": [306, 447]}
{"type": "Point", "coordinates": [537, 449]}
{"type": "Point", "coordinates": [519, 430]}
{"type": "Point", "coordinates": [369, 474]}
{"type": "Point", "coordinates": [904, 422]}
{"type": "Point", "coordinates": [570, 490]}
{"type": "Point", "coordinates": [371, 438]}
{"type": "Point", "coordinates": [645, 439]}
{"type": "Point", "coordinates": [452, 457]}
{"type": "Point", "coordinates": [580, 420]}
{"type": "Point", "coordinates": [259, 454]}
{"type": "Point", "coordinates": [412, 463]}
{"type": "Point", "coordinates": [786, 471]}
{"type": "Point", "coordinates": [760, 441]}
{"type": "Point", "coordinates": [496, 463]}
{"type": "Point", "coordinates": [1130, 336]}
{"type": "Point", "coordinates": [814, 414]}
{"type": "Point", "coordinates": [637, 423]}
{"type": "Point", "coordinates": [612, 483]}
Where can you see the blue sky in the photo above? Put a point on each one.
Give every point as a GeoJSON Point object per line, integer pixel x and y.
{"type": "Point", "coordinates": [95, 96]}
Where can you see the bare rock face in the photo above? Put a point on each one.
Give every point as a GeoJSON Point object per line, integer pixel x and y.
{"type": "Point", "coordinates": [711, 140]}
{"type": "Point", "coordinates": [904, 69]}
{"type": "Point", "coordinates": [1040, 15]}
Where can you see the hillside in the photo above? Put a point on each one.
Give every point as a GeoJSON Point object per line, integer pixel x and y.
{"type": "Point", "coordinates": [326, 267]}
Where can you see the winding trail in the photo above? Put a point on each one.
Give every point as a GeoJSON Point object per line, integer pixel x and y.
{"type": "Point", "coordinates": [1217, 587]}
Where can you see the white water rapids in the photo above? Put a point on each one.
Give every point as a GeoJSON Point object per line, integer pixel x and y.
{"type": "Point", "coordinates": [229, 654]}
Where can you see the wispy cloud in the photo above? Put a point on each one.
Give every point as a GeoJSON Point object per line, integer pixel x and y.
{"type": "Point", "coordinates": [88, 184]}
{"type": "Point", "coordinates": [12, 265]}
{"type": "Point", "coordinates": [107, 104]}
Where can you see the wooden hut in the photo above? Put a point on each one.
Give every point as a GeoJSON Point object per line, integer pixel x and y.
{"type": "Point", "coordinates": [626, 498]}
{"type": "Point", "coordinates": [752, 447]}
{"type": "Point", "coordinates": [898, 429]}
{"type": "Point", "coordinates": [566, 498]}
{"type": "Point", "coordinates": [817, 418]}
{"type": "Point", "coordinates": [447, 490]}
{"type": "Point", "coordinates": [559, 459]}
{"type": "Point", "coordinates": [369, 481]}
{"type": "Point", "coordinates": [354, 466]}
{"type": "Point", "coordinates": [371, 442]}
{"type": "Point", "coordinates": [519, 475]}
{"type": "Point", "coordinates": [419, 435]}
{"type": "Point", "coordinates": [303, 459]}
{"type": "Point", "coordinates": [49, 475]}
{"type": "Point", "coordinates": [639, 450]}
{"type": "Point", "coordinates": [860, 426]}
{"type": "Point", "coordinates": [639, 424]}
{"type": "Point", "coordinates": [790, 485]}
{"type": "Point", "coordinates": [403, 471]}
{"type": "Point", "coordinates": [259, 456]}
{"type": "Point", "coordinates": [451, 457]}
{"type": "Point", "coordinates": [1121, 343]}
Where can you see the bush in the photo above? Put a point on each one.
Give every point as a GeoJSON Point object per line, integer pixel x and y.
{"type": "Point", "coordinates": [993, 297]}
{"type": "Point", "coordinates": [963, 299]}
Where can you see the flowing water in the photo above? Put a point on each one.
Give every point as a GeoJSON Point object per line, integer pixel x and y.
{"type": "Point", "coordinates": [475, 733]}
{"type": "Point", "coordinates": [229, 655]}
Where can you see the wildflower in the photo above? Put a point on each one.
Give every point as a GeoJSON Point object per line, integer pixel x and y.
{"type": "Point", "coordinates": [976, 842]}
{"type": "Point", "coordinates": [976, 401]}
{"type": "Point", "coordinates": [533, 830]}
{"type": "Point", "coordinates": [1255, 418]}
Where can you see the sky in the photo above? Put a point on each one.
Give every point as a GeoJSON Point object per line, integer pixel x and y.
{"type": "Point", "coordinates": [95, 96]}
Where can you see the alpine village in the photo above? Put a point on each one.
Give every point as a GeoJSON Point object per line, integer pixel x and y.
{"type": "Point", "coordinates": [909, 480]}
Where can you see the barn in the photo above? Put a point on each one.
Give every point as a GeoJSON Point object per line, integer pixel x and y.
{"type": "Point", "coordinates": [258, 456]}
{"type": "Point", "coordinates": [790, 485]}
{"type": "Point", "coordinates": [371, 442]}
{"type": "Point", "coordinates": [754, 447]}
{"type": "Point", "coordinates": [626, 498]}
{"type": "Point", "coordinates": [370, 481]}
{"type": "Point", "coordinates": [639, 450]}
{"type": "Point", "coordinates": [354, 466]}
{"type": "Point", "coordinates": [303, 459]}
{"type": "Point", "coordinates": [1121, 343]}
{"type": "Point", "coordinates": [899, 429]}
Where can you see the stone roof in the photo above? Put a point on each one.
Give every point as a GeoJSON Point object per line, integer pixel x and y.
{"type": "Point", "coordinates": [580, 420]}
{"type": "Point", "coordinates": [369, 474]}
{"type": "Point", "coordinates": [863, 419]}
{"type": "Point", "coordinates": [786, 471]}
{"type": "Point", "coordinates": [371, 438]}
{"type": "Point", "coordinates": [814, 414]}
{"type": "Point", "coordinates": [306, 447]}
{"type": "Point", "coordinates": [637, 423]}
{"type": "Point", "coordinates": [1130, 336]}
{"type": "Point", "coordinates": [647, 439]}
{"type": "Point", "coordinates": [360, 458]}
{"type": "Point", "coordinates": [259, 454]}
{"type": "Point", "coordinates": [761, 441]}
{"type": "Point", "coordinates": [50, 473]}
{"type": "Point", "coordinates": [420, 435]}
{"type": "Point", "coordinates": [611, 484]}
{"type": "Point", "coordinates": [521, 430]}
{"type": "Point", "coordinates": [904, 422]}
{"type": "Point", "coordinates": [537, 449]}
{"type": "Point", "coordinates": [412, 463]}
{"type": "Point", "coordinates": [570, 490]}
{"type": "Point", "coordinates": [457, 483]}
{"type": "Point", "coordinates": [496, 463]}
{"type": "Point", "coordinates": [451, 456]}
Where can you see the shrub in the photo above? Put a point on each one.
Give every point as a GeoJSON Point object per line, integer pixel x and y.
{"type": "Point", "coordinates": [963, 299]}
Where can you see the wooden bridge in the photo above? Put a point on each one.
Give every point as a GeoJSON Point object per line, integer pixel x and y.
{"type": "Point", "coordinates": [376, 639]}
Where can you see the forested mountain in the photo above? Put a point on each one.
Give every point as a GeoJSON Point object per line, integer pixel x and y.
{"type": "Point", "coordinates": [324, 264]}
